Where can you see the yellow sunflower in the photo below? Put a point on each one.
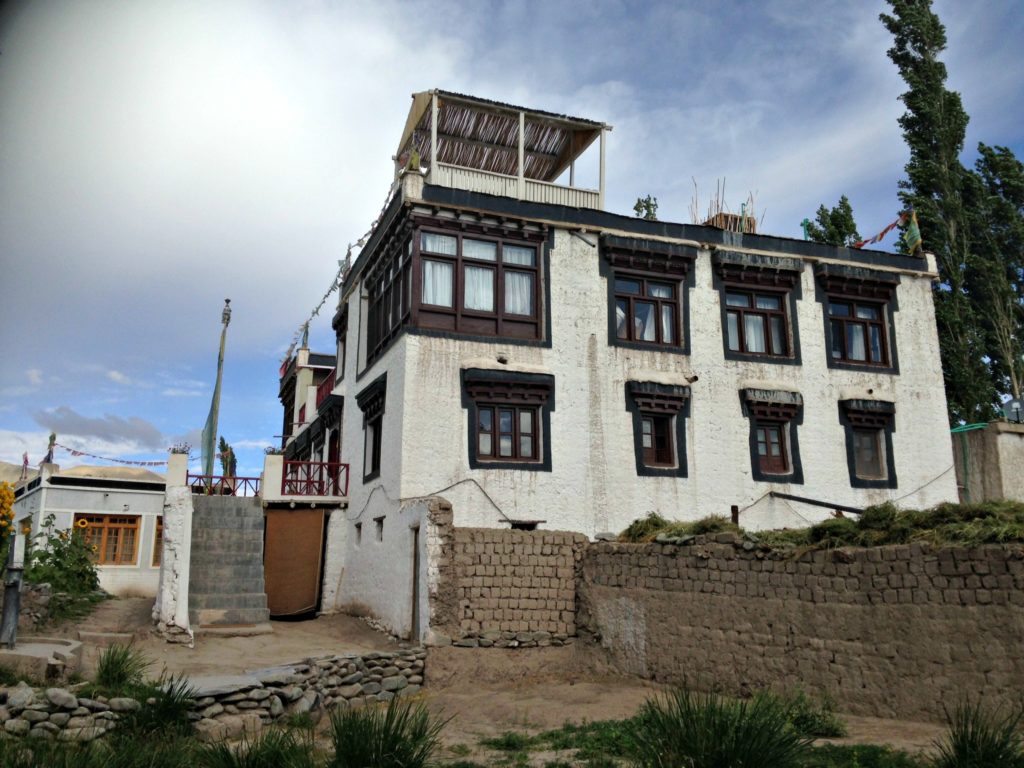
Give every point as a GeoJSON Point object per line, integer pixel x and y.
{"type": "Point", "coordinates": [83, 523]}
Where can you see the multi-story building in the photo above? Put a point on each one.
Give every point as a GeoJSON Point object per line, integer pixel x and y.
{"type": "Point", "coordinates": [507, 344]}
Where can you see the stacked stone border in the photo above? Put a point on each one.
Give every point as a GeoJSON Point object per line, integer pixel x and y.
{"type": "Point", "coordinates": [229, 706]}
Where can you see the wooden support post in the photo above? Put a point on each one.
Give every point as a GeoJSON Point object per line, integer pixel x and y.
{"type": "Point", "coordinates": [434, 176]}
{"type": "Point", "coordinates": [522, 155]}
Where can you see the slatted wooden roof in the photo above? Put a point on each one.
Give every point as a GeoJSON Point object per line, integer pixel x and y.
{"type": "Point", "coordinates": [483, 134]}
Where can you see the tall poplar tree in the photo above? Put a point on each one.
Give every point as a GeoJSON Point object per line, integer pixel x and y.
{"type": "Point", "coordinates": [934, 127]}
{"type": "Point", "coordinates": [996, 274]}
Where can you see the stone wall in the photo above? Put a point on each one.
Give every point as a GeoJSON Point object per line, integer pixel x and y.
{"type": "Point", "coordinates": [897, 631]}
{"type": "Point", "coordinates": [988, 462]}
{"type": "Point", "coordinates": [227, 706]}
{"type": "Point", "coordinates": [515, 588]}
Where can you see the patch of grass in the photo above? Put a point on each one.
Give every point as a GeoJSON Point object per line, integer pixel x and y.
{"type": "Point", "coordinates": [815, 718]}
{"type": "Point", "coordinates": [137, 753]}
{"type": "Point", "coordinates": [650, 527]}
{"type": "Point", "coordinates": [860, 756]}
{"type": "Point", "coordinates": [121, 667]}
{"type": "Point", "coordinates": [71, 606]}
{"type": "Point", "coordinates": [401, 735]}
{"type": "Point", "coordinates": [510, 741]}
{"type": "Point", "coordinates": [978, 739]}
{"type": "Point", "coordinates": [460, 750]}
{"type": "Point", "coordinates": [990, 522]}
{"type": "Point", "coordinates": [711, 731]}
{"type": "Point", "coordinates": [166, 703]}
{"type": "Point", "coordinates": [593, 740]}
{"type": "Point", "coordinates": [275, 749]}
{"type": "Point", "coordinates": [299, 720]}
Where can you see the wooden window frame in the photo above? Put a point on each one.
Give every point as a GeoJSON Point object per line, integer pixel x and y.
{"type": "Point", "coordinates": [158, 542]}
{"type": "Point", "coordinates": [457, 318]}
{"type": "Point", "coordinates": [769, 464]}
{"type": "Point", "coordinates": [876, 418]}
{"type": "Point", "coordinates": [877, 438]}
{"type": "Point", "coordinates": [661, 453]}
{"type": "Point", "coordinates": [492, 391]}
{"type": "Point", "coordinates": [881, 323]}
{"type": "Point", "coordinates": [742, 312]}
{"type": "Point", "coordinates": [101, 525]}
{"type": "Point", "coordinates": [371, 401]}
{"type": "Point", "coordinates": [644, 296]}
{"type": "Point", "coordinates": [388, 285]}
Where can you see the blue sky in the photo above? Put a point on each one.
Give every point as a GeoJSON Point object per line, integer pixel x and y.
{"type": "Point", "coordinates": [158, 157]}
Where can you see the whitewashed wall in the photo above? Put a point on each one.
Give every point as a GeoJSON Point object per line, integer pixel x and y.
{"type": "Point", "coordinates": [593, 485]}
{"type": "Point", "coordinates": [140, 579]}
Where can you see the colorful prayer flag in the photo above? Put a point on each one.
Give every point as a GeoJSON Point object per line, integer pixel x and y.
{"type": "Point", "coordinates": [881, 235]}
{"type": "Point", "coordinates": [912, 237]}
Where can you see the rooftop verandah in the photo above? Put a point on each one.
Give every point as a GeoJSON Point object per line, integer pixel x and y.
{"type": "Point", "coordinates": [500, 149]}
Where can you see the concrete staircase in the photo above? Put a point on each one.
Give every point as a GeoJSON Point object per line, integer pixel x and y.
{"type": "Point", "coordinates": [226, 591]}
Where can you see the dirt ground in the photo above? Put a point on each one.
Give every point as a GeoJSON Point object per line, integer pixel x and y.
{"type": "Point", "coordinates": [485, 692]}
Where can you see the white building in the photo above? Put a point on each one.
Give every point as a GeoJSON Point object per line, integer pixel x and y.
{"type": "Point", "coordinates": [505, 343]}
{"type": "Point", "coordinates": [118, 509]}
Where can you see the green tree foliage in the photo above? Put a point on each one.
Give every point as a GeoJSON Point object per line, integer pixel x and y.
{"type": "Point", "coordinates": [996, 274]}
{"type": "Point", "coordinates": [228, 462]}
{"type": "Point", "coordinates": [836, 226]}
{"type": "Point", "coordinates": [646, 208]}
{"type": "Point", "coordinates": [934, 127]}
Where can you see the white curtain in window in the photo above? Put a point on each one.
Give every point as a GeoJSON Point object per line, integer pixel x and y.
{"type": "Point", "coordinates": [518, 293]}
{"type": "Point", "coordinates": [435, 243]}
{"type": "Point", "coordinates": [518, 254]}
{"type": "Point", "coordinates": [753, 333]}
{"type": "Point", "coordinates": [437, 283]}
{"type": "Point", "coordinates": [480, 289]}
{"type": "Point", "coordinates": [479, 249]}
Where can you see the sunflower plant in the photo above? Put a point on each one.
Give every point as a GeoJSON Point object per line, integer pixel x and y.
{"type": "Point", "coordinates": [64, 559]}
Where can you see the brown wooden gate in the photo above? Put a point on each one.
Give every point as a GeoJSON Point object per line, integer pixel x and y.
{"type": "Point", "coordinates": [292, 554]}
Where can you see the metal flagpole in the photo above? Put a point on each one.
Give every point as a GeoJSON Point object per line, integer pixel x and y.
{"type": "Point", "coordinates": [210, 430]}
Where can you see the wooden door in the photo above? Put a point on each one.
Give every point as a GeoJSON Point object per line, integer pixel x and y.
{"type": "Point", "coordinates": [292, 560]}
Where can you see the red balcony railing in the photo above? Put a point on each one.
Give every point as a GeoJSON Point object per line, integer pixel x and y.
{"type": "Point", "coordinates": [314, 478]}
{"type": "Point", "coordinates": [219, 485]}
{"type": "Point", "coordinates": [325, 388]}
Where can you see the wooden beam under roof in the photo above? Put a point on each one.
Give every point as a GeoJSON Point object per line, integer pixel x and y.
{"type": "Point", "coordinates": [492, 145]}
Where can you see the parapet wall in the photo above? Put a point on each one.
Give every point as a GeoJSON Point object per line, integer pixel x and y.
{"type": "Point", "coordinates": [515, 588]}
{"type": "Point", "coordinates": [897, 631]}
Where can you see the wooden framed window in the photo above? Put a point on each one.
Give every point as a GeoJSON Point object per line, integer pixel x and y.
{"type": "Point", "coordinates": [646, 309]}
{"type": "Point", "coordinates": [857, 330]}
{"type": "Point", "coordinates": [868, 457]}
{"type": "Point", "coordinates": [772, 452]}
{"type": "Point", "coordinates": [389, 288]}
{"type": "Point", "coordinates": [756, 322]}
{"type": "Point", "coordinates": [371, 402]}
{"type": "Point", "coordinates": [479, 284]}
{"type": "Point", "coordinates": [509, 419]}
{"type": "Point", "coordinates": [869, 428]}
{"type": "Point", "coordinates": [507, 433]}
{"type": "Point", "coordinates": [115, 537]}
{"type": "Point", "coordinates": [657, 440]}
{"type": "Point", "coordinates": [158, 541]}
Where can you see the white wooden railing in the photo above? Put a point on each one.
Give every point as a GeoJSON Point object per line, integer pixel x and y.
{"type": "Point", "coordinates": [508, 186]}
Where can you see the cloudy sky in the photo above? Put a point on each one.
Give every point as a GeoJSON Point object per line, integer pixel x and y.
{"type": "Point", "coordinates": [157, 157]}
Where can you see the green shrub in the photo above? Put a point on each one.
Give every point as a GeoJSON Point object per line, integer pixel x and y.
{"type": "Point", "coordinates": [835, 532]}
{"type": "Point", "coordinates": [276, 749]}
{"type": "Point", "coordinates": [402, 735]}
{"type": "Point", "coordinates": [645, 528]}
{"type": "Point", "coordinates": [979, 739]}
{"type": "Point", "coordinates": [62, 559]}
{"type": "Point", "coordinates": [860, 756]}
{"type": "Point", "coordinates": [139, 753]}
{"type": "Point", "coordinates": [164, 714]}
{"type": "Point", "coordinates": [816, 719]}
{"type": "Point", "coordinates": [593, 740]}
{"type": "Point", "coordinates": [121, 667]}
{"type": "Point", "coordinates": [710, 731]}
{"type": "Point", "coordinates": [510, 741]}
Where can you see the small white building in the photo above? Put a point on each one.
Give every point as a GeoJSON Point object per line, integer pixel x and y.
{"type": "Point", "coordinates": [118, 509]}
{"type": "Point", "coordinates": [507, 344]}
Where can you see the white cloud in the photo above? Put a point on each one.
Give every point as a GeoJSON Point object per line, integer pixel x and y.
{"type": "Point", "coordinates": [35, 376]}
{"type": "Point", "coordinates": [177, 392]}
{"type": "Point", "coordinates": [118, 378]}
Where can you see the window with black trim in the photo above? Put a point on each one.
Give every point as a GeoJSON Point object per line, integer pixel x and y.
{"type": "Point", "coordinates": [758, 309]}
{"type": "Point", "coordinates": [774, 449]}
{"type": "Point", "coordinates": [476, 283]}
{"type": "Point", "coordinates": [857, 330]}
{"type": "Point", "coordinates": [340, 325]}
{"type": "Point", "coordinates": [858, 307]}
{"type": "Point", "coordinates": [388, 284]}
{"type": "Point", "coordinates": [647, 292]}
{"type": "Point", "coordinates": [659, 414]}
{"type": "Point", "coordinates": [646, 309]}
{"type": "Point", "coordinates": [509, 418]}
{"type": "Point", "coordinates": [869, 426]}
{"type": "Point", "coordinates": [371, 402]}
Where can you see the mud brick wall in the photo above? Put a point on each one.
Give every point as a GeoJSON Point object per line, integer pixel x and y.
{"type": "Point", "coordinates": [516, 587]}
{"type": "Point", "coordinates": [894, 631]}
